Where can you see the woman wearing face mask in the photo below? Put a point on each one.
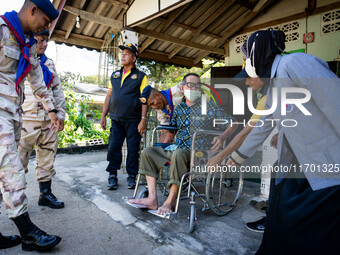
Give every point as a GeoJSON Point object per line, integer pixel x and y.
{"type": "Point", "coordinates": [304, 208]}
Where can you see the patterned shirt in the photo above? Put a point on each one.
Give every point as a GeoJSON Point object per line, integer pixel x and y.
{"type": "Point", "coordinates": [190, 119]}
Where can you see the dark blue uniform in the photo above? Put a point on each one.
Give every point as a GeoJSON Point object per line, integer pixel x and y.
{"type": "Point", "coordinates": [125, 112]}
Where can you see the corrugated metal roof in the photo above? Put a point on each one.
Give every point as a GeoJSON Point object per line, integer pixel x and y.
{"type": "Point", "coordinates": [183, 36]}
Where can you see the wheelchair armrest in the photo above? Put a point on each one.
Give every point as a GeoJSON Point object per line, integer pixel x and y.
{"type": "Point", "coordinates": [162, 127]}
{"type": "Point", "coordinates": [165, 127]}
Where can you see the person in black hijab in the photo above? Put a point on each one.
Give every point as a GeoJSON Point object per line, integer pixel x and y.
{"type": "Point", "coordinates": [304, 208]}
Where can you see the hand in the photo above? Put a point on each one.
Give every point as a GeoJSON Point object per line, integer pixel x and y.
{"type": "Point", "coordinates": [231, 162]}
{"type": "Point", "coordinates": [142, 126]}
{"type": "Point", "coordinates": [61, 125]}
{"type": "Point", "coordinates": [217, 143]}
{"type": "Point", "coordinates": [103, 123]}
{"type": "Point", "coordinates": [213, 163]}
{"type": "Point", "coordinates": [55, 121]}
{"type": "Point", "coordinates": [273, 141]}
{"type": "Point", "coordinates": [216, 160]}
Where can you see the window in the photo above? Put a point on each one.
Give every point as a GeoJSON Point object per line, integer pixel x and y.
{"type": "Point", "coordinates": [330, 22]}
{"type": "Point", "coordinates": [291, 30]}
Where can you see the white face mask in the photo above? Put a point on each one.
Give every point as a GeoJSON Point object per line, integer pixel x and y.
{"type": "Point", "coordinates": [250, 69]}
{"type": "Point", "coordinates": [192, 95]}
{"type": "Point", "coordinates": [249, 65]}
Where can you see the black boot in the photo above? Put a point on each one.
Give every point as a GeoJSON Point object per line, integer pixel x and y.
{"type": "Point", "coordinates": [131, 181]}
{"type": "Point", "coordinates": [113, 182]}
{"type": "Point", "coordinates": [9, 241]}
{"type": "Point", "coordinates": [32, 237]}
{"type": "Point", "coordinates": [47, 198]}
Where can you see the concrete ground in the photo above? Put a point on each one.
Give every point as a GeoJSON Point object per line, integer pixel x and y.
{"type": "Point", "coordinates": [97, 221]}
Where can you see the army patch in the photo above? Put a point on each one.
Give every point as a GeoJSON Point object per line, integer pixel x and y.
{"type": "Point", "coordinates": [143, 100]}
{"type": "Point", "coordinates": [134, 76]}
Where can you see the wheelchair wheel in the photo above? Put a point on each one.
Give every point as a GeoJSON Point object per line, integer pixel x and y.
{"type": "Point", "coordinates": [192, 219]}
{"type": "Point", "coordinates": [222, 191]}
{"type": "Point", "coordinates": [143, 194]}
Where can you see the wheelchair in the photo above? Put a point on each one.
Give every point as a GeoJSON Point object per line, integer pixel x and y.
{"type": "Point", "coordinates": [218, 190]}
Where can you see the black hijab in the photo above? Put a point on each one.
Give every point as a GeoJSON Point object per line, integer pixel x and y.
{"type": "Point", "coordinates": [268, 44]}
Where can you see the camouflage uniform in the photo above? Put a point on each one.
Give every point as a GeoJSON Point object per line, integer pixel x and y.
{"type": "Point", "coordinates": [12, 175]}
{"type": "Point", "coordinates": [177, 96]}
{"type": "Point", "coordinates": [36, 128]}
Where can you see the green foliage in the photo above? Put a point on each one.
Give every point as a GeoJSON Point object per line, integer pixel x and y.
{"type": "Point", "coordinates": [166, 76]}
{"type": "Point", "coordinates": [90, 79]}
{"type": "Point", "coordinates": [68, 79]}
{"type": "Point", "coordinates": [79, 119]}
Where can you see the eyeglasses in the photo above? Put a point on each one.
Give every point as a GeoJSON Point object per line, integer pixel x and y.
{"type": "Point", "coordinates": [191, 85]}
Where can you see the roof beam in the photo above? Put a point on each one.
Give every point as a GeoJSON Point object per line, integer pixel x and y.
{"type": "Point", "coordinates": [239, 24]}
{"type": "Point", "coordinates": [163, 26]}
{"type": "Point", "coordinates": [300, 15]}
{"type": "Point", "coordinates": [163, 57]}
{"type": "Point", "coordinates": [115, 24]}
{"type": "Point", "coordinates": [190, 28]}
{"type": "Point", "coordinates": [246, 4]}
{"type": "Point", "coordinates": [212, 13]}
{"type": "Point", "coordinates": [54, 23]}
{"type": "Point", "coordinates": [73, 22]}
{"type": "Point", "coordinates": [117, 3]}
{"type": "Point", "coordinates": [78, 40]}
{"type": "Point", "coordinates": [175, 40]}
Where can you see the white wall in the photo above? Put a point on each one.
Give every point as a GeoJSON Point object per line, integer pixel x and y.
{"type": "Point", "coordinates": [325, 46]}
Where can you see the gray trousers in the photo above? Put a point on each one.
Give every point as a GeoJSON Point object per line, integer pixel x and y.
{"type": "Point", "coordinates": [154, 158]}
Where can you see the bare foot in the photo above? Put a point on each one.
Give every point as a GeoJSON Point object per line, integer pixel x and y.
{"type": "Point", "coordinates": [166, 208]}
{"type": "Point", "coordinates": [152, 204]}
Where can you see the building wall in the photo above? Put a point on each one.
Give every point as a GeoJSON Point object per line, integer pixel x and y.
{"type": "Point", "coordinates": [325, 46]}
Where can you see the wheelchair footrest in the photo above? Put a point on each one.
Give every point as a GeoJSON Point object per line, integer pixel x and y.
{"type": "Point", "coordinates": [170, 216]}
{"type": "Point", "coordinates": [139, 206]}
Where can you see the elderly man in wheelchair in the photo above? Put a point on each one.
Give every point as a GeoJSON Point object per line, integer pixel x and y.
{"type": "Point", "coordinates": [188, 118]}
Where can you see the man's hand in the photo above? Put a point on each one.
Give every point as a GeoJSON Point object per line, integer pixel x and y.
{"type": "Point", "coordinates": [273, 141]}
{"type": "Point", "coordinates": [231, 162]}
{"type": "Point", "coordinates": [217, 143]}
{"type": "Point", "coordinates": [216, 160]}
{"type": "Point", "coordinates": [103, 123]}
{"type": "Point", "coordinates": [61, 125]}
{"type": "Point", "coordinates": [55, 121]}
{"type": "Point", "coordinates": [142, 126]}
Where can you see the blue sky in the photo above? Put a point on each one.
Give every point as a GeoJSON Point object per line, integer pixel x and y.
{"type": "Point", "coordinates": [66, 58]}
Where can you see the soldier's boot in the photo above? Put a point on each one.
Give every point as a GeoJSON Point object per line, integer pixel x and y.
{"type": "Point", "coordinates": [46, 197]}
{"type": "Point", "coordinates": [33, 238]}
{"type": "Point", "coordinates": [9, 241]}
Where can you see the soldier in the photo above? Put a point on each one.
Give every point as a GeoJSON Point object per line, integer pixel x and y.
{"type": "Point", "coordinates": [18, 60]}
{"type": "Point", "coordinates": [35, 126]}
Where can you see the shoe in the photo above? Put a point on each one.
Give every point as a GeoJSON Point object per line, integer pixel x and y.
{"type": "Point", "coordinates": [9, 241]}
{"type": "Point", "coordinates": [131, 181]}
{"type": "Point", "coordinates": [257, 226]}
{"type": "Point", "coordinates": [113, 182]}
{"type": "Point", "coordinates": [32, 237]}
{"type": "Point", "coordinates": [46, 197]}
